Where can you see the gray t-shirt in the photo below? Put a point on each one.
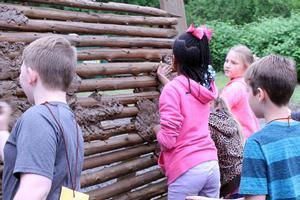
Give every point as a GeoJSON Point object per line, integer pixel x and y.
{"type": "Point", "coordinates": [36, 146]}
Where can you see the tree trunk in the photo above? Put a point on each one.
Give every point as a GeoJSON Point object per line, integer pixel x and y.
{"type": "Point", "coordinates": [89, 41]}
{"type": "Point", "coordinates": [87, 28]}
{"type": "Point", "coordinates": [125, 185]}
{"type": "Point", "coordinates": [102, 84]}
{"type": "Point", "coordinates": [100, 160]}
{"type": "Point", "coordinates": [121, 7]}
{"type": "Point", "coordinates": [116, 171]}
{"type": "Point", "coordinates": [55, 14]}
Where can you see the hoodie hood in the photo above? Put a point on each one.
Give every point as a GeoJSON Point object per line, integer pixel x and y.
{"type": "Point", "coordinates": [198, 91]}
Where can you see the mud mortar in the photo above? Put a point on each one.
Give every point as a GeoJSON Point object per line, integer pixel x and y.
{"type": "Point", "coordinates": [12, 15]}
{"type": "Point", "coordinates": [89, 118]}
{"type": "Point", "coordinates": [147, 118]}
{"type": "Point", "coordinates": [10, 59]}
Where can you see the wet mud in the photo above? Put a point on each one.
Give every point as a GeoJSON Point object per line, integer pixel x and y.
{"type": "Point", "coordinates": [10, 59]}
{"type": "Point", "coordinates": [12, 15]}
{"type": "Point", "coordinates": [89, 118]}
{"type": "Point", "coordinates": [147, 118]}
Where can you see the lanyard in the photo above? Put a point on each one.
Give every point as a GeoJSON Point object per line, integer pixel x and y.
{"type": "Point", "coordinates": [65, 142]}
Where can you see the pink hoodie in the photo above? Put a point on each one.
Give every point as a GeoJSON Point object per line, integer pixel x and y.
{"type": "Point", "coordinates": [184, 136]}
{"type": "Point", "coordinates": [236, 96]}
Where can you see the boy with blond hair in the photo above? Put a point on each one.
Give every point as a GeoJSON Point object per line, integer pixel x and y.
{"type": "Point", "coordinates": [45, 148]}
{"type": "Point", "coordinates": [271, 165]}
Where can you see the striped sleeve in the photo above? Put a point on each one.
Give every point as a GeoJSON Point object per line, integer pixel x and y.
{"type": "Point", "coordinates": [254, 173]}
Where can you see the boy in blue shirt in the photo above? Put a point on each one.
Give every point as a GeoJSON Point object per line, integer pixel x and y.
{"type": "Point", "coordinates": [271, 166]}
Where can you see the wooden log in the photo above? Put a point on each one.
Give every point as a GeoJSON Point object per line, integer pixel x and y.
{"type": "Point", "coordinates": [105, 134]}
{"type": "Point", "coordinates": [118, 54]}
{"type": "Point", "coordinates": [122, 98]}
{"type": "Point", "coordinates": [148, 192]}
{"type": "Point", "coordinates": [87, 28]}
{"type": "Point", "coordinates": [112, 144]}
{"type": "Point", "coordinates": [119, 170]}
{"type": "Point", "coordinates": [117, 83]}
{"type": "Point", "coordinates": [121, 155]}
{"type": "Point", "coordinates": [88, 41]}
{"type": "Point", "coordinates": [125, 185]}
{"type": "Point", "coordinates": [88, 70]}
{"type": "Point", "coordinates": [127, 112]}
{"type": "Point", "coordinates": [121, 7]}
{"type": "Point", "coordinates": [64, 15]}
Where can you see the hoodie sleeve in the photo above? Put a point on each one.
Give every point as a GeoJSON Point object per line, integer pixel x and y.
{"type": "Point", "coordinates": [170, 117]}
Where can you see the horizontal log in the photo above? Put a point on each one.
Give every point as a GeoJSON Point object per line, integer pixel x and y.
{"type": "Point", "coordinates": [106, 134]}
{"type": "Point", "coordinates": [87, 28]}
{"type": "Point", "coordinates": [112, 144]}
{"type": "Point", "coordinates": [125, 185]}
{"type": "Point", "coordinates": [122, 98]}
{"type": "Point", "coordinates": [88, 41]}
{"type": "Point", "coordinates": [152, 190]}
{"type": "Point", "coordinates": [115, 171]}
{"type": "Point", "coordinates": [88, 70]}
{"type": "Point", "coordinates": [121, 7]}
{"type": "Point", "coordinates": [118, 54]}
{"type": "Point", "coordinates": [64, 15]}
{"type": "Point", "coordinates": [102, 84]}
{"type": "Point", "coordinates": [121, 155]}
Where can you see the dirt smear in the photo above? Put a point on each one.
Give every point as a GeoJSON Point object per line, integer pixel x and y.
{"type": "Point", "coordinates": [89, 118]}
{"type": "Point", "coordinates": [12, 15]}
{"type": "Point", "coordinates": [10, 59]}
{"type": "Point", "coordinates": [147, 118]}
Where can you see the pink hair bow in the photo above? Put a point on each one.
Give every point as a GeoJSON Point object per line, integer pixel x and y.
{"type": "Point", "coordinates": [200, 31]}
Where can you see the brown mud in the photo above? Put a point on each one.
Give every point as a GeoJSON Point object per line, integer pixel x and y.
{"type": "Point", "coordinates": [89, 118]}
{"type": "Point", "coordinates": [10, 59]}
{"type": "Point", "coordinates": [147, 118]}
{"type": "Point", "coordinates": [12, 15]}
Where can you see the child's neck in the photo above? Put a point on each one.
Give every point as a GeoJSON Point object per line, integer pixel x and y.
{"type": "Point", "coordinates": [276, 113]}
{"type": "Point", "coordinates": [42, 95]}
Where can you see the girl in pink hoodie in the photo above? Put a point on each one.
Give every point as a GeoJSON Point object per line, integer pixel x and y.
{"type": "Point", "coordinates": [235, 92]}
{"type": "Point", "coordinates": [188, 155]}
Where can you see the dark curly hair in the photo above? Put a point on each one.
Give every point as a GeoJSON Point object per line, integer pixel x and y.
{"type": "Point", "coordinates": [193, 57]}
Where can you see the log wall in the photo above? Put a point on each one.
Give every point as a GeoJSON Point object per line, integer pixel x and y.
{"type": "Point", "coordinates": [119, 49]}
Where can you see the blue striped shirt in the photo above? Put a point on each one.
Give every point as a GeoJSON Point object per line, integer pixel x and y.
{"type": "Point", "coordinates": [271, 163]}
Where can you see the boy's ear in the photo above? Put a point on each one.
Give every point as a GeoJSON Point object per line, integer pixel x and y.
{"type": "Point", "coordinates": [32, 75]}
{"type": "Point", "coordinates": [261, 94]}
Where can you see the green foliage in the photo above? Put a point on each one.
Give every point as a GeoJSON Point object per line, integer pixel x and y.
{"type": "Point", "coordinates": [270, 35]}
{"type": "Point", "coordinates": [236, 11]}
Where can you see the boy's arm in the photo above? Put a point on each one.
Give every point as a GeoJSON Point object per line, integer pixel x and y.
{"type": "Point", "coordinates": [256, 197]}
{"type": "Point", "coordinates": [33, 187]}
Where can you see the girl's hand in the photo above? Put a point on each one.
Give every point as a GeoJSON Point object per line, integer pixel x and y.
{"type": "Point", "coordinates": [5, 111]}
{"type": "Point", "coordinates": [156, 129]}
{"type": "Point", "coordinates": [162, 71]}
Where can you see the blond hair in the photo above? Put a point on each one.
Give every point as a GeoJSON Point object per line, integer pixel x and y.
{"type": "Point", "coordinates": [244, 53]}
{"type": "Point", "coordinates": [54, 59]}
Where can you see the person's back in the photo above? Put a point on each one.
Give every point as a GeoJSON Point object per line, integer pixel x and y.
{"type": "Point", "coordinates": [188, 155]}
{"type": "Point", "coordinates": [37, 137]}
{"type": "Point", "coordinates": [278, 156]}
{"type": "Point", "coordinates": [227, 135]}
{"type": "Point", "coordinates": [45, 150]}
{"type": "Point", "coordinates": [271, 156]}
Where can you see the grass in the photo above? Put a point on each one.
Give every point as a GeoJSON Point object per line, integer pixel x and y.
{"type": "Point", "coordinates": [221, 81]}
